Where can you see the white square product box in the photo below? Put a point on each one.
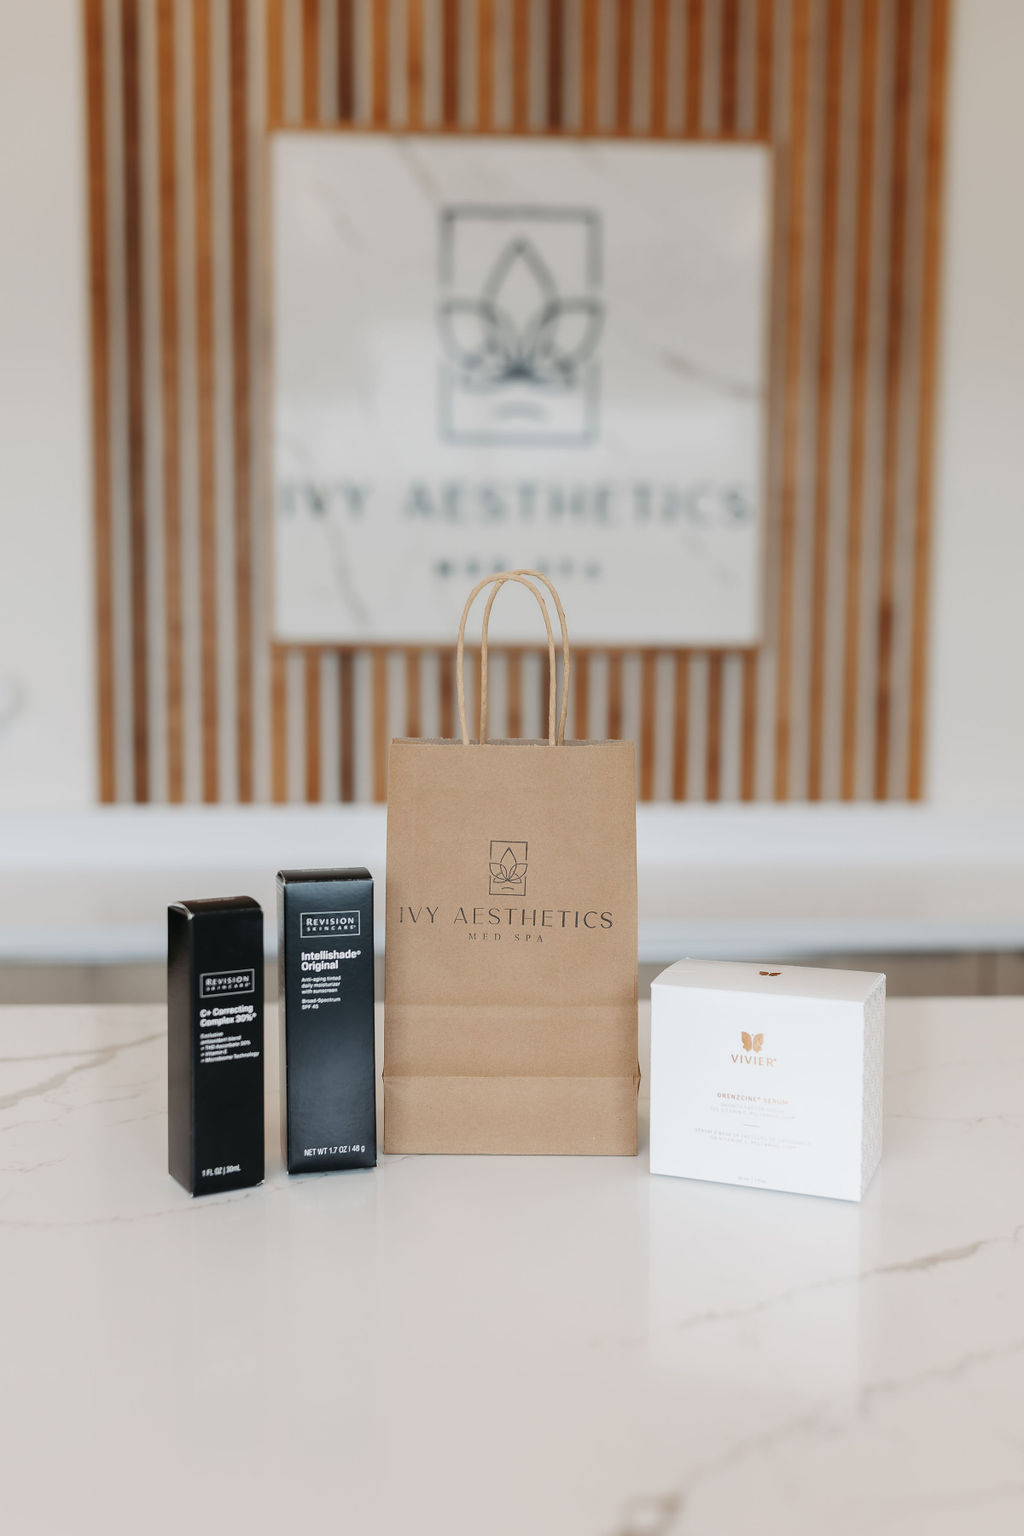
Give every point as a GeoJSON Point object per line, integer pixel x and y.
{"type": "Point", "coordinates": [768, 1075]}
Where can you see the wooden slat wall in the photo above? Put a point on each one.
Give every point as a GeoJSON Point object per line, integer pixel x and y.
{"type": "Point", "coordinates": [195, 701]}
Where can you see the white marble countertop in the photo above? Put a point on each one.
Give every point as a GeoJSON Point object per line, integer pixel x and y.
{"type": "Point", "coordinates": [493, 1347]}
{"type": "Point", "coordinates": [92, 886]}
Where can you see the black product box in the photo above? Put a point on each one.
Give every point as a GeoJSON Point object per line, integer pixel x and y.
{"type": "Point", "coordinates": [215, 1043]}
{"type": "Point", "coordinates": [325, 978]}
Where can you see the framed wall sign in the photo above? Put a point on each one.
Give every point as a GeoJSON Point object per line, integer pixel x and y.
{"type": "Point", "coordinates": [495, 352]}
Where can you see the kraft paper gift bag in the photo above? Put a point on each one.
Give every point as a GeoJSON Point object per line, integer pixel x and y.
{"type": "Point", "coordinates": [511, 950]}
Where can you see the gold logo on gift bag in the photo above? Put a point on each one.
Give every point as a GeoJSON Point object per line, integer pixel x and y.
{"type": "Point", "coordinates": [508, 868]}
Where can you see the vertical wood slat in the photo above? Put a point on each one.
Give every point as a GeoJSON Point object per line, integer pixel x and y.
{"type": "Point", "coordinates": [797, 214]}
{"type": "Point", "coordinates": [413, 687]}
{"type": "Point", "coordinates": [279, 719]}
{"type": "Point", "coordinates": [414, 23]}
{"type": "Point", "coordinates": [614, 695]}
{"type": "Point", "coordinates": [241, 392]}
{"type": "Point", "coordinates": [590, 20]}
{"type": "Point", "coordinates": [310, 61]}
{"type": "Point", "coordinates": [381, 65]}
{"type": "Point", "coordinates": [730, 63]}
{"type": "Point", "coordinates": [556, 66]}
{"type": "Point", "coordinates": [135, 451]}
{"type": "Point", "coordinates": [99, 316]}
{"type": "Point", "coordinates": [170, 426]}
{"type": "Point", "coordinates": [379, 658]}
{"type": "Point", "coordinates": [314, 724]}
{"type": "Point", "coordinates": [681, 725]}
{"type": "Point", "coordinates": [580, 686]}
{"type": "Point", "coordinates": [648, 718]}
{"type": "Point", "coordinates": [859, 384]}
{"type": "Point", "coordinates": [485, 66]}
{"type": "Point", "coordinates": [513, 691]}
{"type": "Point", "coordinates": [580, 681]}
{"type": "Point", "coordinates": [624, 70]}
{"type": "Point", "coordinates": [893, 392]}
{"type": "Point", "coordinates": [205, 399]}
{"type": "Point", "coordinates": [694, 73]}
{"type": "Point", "coordinates": [446, 687]}
{"type": "Point", "coordinates": [764, 65]}
{"type": "Point", "coordinates": [925, 444]}
{"type": "Point", "coordinates": [835, 20]}
{"type": "Point", "coordinates": [520, 65]}
{"type": "Point", "coordinates": [713, 743]}
{"type": "Point", "coordinates": [658, 67]}
{"type": "Point", "coordinates": [347, 725]}
{"type": "Point", "coordinates": [748, 733]}
{"type": "Point", "coordinates": [346, 60]}
{"type": "Point", "coordinates": [275, 63]}
{"type": "Point", "coordinates": [450, 63]}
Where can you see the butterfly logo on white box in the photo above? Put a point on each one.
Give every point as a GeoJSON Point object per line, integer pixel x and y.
{"type": "Point", "coordinates": [751, 1056]}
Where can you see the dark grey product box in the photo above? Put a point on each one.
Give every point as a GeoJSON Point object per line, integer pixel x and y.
{"type": "Point", "coordinates": [325, 982]}
{"type": "Point", "coordinates": [215, 1043]}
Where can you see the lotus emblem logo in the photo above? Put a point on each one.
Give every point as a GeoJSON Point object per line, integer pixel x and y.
{"type": "Point", "coordinates": [508, 865]}
{"type": "Point", "coordinates": [519, 319]}
{"type": "Point", "coordinates": [520, 329]}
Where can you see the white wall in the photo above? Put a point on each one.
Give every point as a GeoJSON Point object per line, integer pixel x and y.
{"type": "Point", "coordinates": [977, 680]}
{"type": "Point", "coordinates": [46, 662]}
{"type": "Point", "coordinates": [976, 716]}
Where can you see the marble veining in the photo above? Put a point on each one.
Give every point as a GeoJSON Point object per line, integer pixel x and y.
{"type": "Point", "coordinates": [491, 1345]}
{"type": "Point", "coordinates": [91, 1063]}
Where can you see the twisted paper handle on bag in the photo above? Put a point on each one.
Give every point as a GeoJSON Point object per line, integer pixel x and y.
{"type": "Point", "coordinates": [566, 658]}
{"type": "Point", "coordinates": [556, 731]}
